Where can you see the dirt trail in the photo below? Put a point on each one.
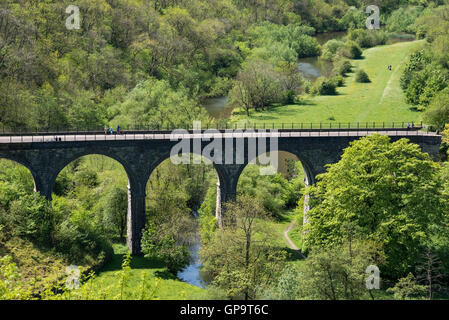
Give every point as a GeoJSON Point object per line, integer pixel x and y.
{"type": "Point", "coordinates": [289, 241]}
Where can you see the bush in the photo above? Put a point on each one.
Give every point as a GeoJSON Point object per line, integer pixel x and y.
{"type": "Point", "coordinates": [81, 246]}
{"type": "Point", "coordinates": [353, 50]}
{"type": "Point", "coordinates": [308, 86]}
{"type": "Point", "coordinates": [330, 48]}
{"type": "Point", "coordinates": [367, 38]}
{"type": "Point", "coordinates": [342, 67]}
{"type": "Point", "coordinates": [339, 81]}
{"type": "Point", "coordinates": [31, 217]}
{"type": "Point", "coordinates": [438, 112]}
{"type": "Point", "coordinates": [361, 76]}
{"type": "Point", "coordinates": [324, 86]}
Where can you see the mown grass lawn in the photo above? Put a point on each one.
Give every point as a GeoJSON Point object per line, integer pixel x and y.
{"type": "Point", "coordinates": [381, 100]}
{"type": "Point", "coordinates": [167, 287]}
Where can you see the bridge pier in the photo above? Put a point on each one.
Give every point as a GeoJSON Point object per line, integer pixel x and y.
{"type": "Point", "coordinates": [228, 177]}
{"type": "Point", "coordinates": [43, 186]}
{"type": "Point", "coordinates": [136, 218]}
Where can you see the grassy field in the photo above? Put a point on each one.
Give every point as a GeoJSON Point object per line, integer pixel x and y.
{"type": "Point", "coordinates": [380, 100]}
{"type": "Point", "coordinates": [158, 280]}
{"type": "Point", "coordinates": [279, 227]}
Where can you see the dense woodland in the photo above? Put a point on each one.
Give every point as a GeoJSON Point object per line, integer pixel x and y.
{"type": "Point", "coordinates": [152, 63]}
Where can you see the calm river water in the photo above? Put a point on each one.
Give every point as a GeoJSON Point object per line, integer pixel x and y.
{"type": "Point", "coordinates": [192, 273]}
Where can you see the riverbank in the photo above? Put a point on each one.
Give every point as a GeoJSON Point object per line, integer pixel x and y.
{"type": "Point", "coordinates": [164, 285]}
{"type": "Point", "coordinates": [380, 100]}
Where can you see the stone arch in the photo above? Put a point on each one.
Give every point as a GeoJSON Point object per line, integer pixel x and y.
{"type": "Point", "coordinates": [165, 157]}
{"type": "Point", "coordinates": [36, 179]}
{"type": "Point", "coordinates": [65, 162]}
{"type": "Point", "coordinates": [136, 195]}
{"type": "Point", "coordinates": [310, 175]}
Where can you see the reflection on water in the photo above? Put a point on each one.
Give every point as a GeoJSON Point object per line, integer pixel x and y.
{"type": "Point", "coordinates": [192, 273]}
{"type": "Point", "coordinates": [218, 108]}
{"type": "Point", "coordinates": [314, 67]}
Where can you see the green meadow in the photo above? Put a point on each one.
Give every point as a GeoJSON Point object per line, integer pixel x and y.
{"type": "Point", "coordinates": [159, 283]}
{"type": "Point", "coordinates": [382, 100]}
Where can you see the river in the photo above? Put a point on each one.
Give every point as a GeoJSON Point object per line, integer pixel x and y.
{"type": "Point", "coordinates": [311, 68]}
{"type": "Point", "coordinates": [192, 273]}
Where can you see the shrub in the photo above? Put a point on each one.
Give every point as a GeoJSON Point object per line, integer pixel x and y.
{"type": "Point", "coordinates": [367, 38]}
{"type": "Point", "coordinates": [353, 50]}
{"type": "Point", "coordinates": [324, 86]}
{"type": "Point", "coordinates": [308, 86]}
{"type": "Point", "coordinates": [361, 76]}
{"type": "Point", "coordinates": [342, 67]}
{"type": "Point", "coordinates": [31, 217]}
{"type": "Point", "coordinates": [330, 48]}
{"type": "Point", "coordinates": [338, 81]}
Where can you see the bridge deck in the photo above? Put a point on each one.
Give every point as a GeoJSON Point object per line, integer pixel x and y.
{"type": "Point", "coordinates": [169, 136]}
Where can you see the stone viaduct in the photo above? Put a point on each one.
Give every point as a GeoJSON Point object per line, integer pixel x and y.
{"type": "Point", "coordinates": [140, 153]}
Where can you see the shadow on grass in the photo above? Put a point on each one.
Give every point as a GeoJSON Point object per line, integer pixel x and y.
{"type": "Point", "coordinates": [137, 262]}
{"type": "Point", "coordinates": [293, 255]}
{"type": "Point", "coordinates": [414, 109]}
{"type": "Point", "coordinates": [306, 102]}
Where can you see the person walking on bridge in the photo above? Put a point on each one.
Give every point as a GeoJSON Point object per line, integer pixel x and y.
{"type": "Point", "coordinates": [118, 129]}
{"type": "Point", "coordinates": [106, 129]}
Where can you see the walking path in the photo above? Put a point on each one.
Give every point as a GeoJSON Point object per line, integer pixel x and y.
{"type": "Point", "coordinates": [289, 241]}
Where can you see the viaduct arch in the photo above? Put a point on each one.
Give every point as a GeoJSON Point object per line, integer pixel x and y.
{"type": "Point", "coordinates": [140, 155]}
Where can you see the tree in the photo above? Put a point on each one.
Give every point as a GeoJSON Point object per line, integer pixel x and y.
{"type": "Point", "coordinates": [338, 272]}
{"type": "Point", "coordinates": [240, 256]}
{"type": "Point", "coordinates": [31, 217]}
{"type": "Point", "coordinates": [430, 272]}
{"type": "Point", "coordinates": [407, 288]}
{"type": "Point", "coordinates": [390, 191]}
{"type": "Point", "coordinates": [287, 287]}
{"type": "Point", "coordinates": [256, 87]}
{"type": "Point", "coordinates": [291, 81]}
{"type": "Point", "coordinates": [174, 192]}
{"type": "Point", "coordinates": [155, 102]}
{"type": "Point", "coordinates": [115, 210]}
{"type": "Point", "coordinates": [437, 114]}
{"type": "Point", "coordinates": [162, 244]}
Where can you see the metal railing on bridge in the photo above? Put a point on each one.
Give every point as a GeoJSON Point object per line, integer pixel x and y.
{"type": "Point", "coordinates": [222, 125]}
{"type": "Point", "coordinates": [141, 132]}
